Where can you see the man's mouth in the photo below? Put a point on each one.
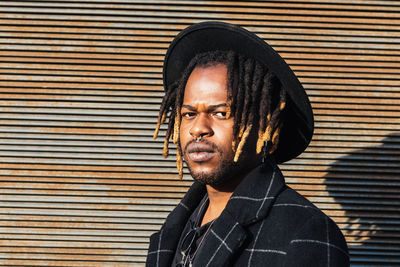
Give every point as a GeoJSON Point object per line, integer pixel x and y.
{"type": "Point", "coordinates": [200, 152]}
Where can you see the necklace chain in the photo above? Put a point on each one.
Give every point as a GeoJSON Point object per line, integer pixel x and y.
{"type": "Point", "coordinates": [201, 241]}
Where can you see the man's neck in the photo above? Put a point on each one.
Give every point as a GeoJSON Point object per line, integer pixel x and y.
{"type": "Point", "coordinates": [217, 203]}
{"type": "Point", "coordinates": [218, 198]}
{"type": "Point", "coordinates": [219, 195]}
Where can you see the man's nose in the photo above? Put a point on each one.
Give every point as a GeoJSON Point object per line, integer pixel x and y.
{"type": "Point", "coordinates": [201, 126]}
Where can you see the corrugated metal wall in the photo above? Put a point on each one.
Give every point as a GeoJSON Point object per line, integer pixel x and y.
{"type": "Point", "coordinates": [83, 183]}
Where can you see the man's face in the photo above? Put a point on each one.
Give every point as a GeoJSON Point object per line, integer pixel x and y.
{"type": "Point", "coordinates": [210, 160]}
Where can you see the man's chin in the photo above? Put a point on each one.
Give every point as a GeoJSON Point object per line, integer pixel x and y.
{"type": "Point", "coordinates": [204, 178]}
{"type": "Point", "coordinates": [212, 176]}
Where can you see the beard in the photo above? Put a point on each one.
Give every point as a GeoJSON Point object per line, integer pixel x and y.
{"type": "Point", "coordinates": [219, 175]}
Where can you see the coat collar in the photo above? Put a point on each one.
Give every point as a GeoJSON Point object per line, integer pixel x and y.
{"type": "Point", "coordinates": [254, 196]}
{"type": "Point", "coordinates": [251, 202]}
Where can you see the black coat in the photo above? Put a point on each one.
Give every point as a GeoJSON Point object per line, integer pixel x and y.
{"type": "Point", "coordinates": [265, 223]}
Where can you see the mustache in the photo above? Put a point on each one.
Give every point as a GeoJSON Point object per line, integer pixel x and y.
{"type": "Point", "coordinates": [200, 146]}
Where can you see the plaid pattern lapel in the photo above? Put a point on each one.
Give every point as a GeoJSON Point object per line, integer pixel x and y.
{"type": "Point", "coordinates": [254, 197]}
{"type": "Point", "coordinates": [163, 243]}
{"type": "Point", "coordinates": [251, 201]}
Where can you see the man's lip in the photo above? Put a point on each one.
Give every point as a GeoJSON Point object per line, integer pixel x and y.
{"type": "Point", "coordinates": [200, 152]}
{"type": "Point", "coordinates": [199, 147]}
{"type": "Point", "coordinates": [200, 156]}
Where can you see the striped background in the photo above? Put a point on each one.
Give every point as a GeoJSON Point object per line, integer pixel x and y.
{"type": "Point", "coordinates": [82, 182]}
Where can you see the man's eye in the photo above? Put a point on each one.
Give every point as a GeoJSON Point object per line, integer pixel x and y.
{"type": "Point", "coordinates": [220, 114]}
{"type": "Point", "coordinates": [188, 114]}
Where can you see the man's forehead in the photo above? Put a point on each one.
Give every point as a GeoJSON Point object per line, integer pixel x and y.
{"type": "Point", "coordinates": [207, 85]}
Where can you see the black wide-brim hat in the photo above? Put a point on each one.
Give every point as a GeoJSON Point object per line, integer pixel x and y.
{"type": "Point", "coordinates": [210, 36]}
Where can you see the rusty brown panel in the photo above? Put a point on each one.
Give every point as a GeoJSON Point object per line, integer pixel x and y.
{"type": "Point", "coordinates": [82, 56]}
{"type": "Point", "coordinates": [322, 56]}
{"type": "Point", "coordinates": [66, 219]}
{"type": "Point", "coordinates": [72, 257]}
{"type": "Point", "coordinates": [252, 13]}
{"type": "Point", "coordinates": [78, 124]}
{"type": "Point", "coordinates": [65, 263]}
{"type": "Point", "coordinates": [107, 254]}
{"type": "Point", "coordinates": [139, 179]}
{"type": "Point", "coordinates": [19, 69]}
{"type": "Point", "coordinates": [61, 237]}
{"type": "Point", "coordinates": [66, 238]}
{"type": "Point", "coordinates": [152, 41]}
{"type": "Point", "coordinates": [80, 225]}
{"type": "Point", "coordinates": [389, 79]}
{"type": "Point", "coordinates": [154, 30]}
{"type": "Point", "coordinates": [72, 97]}
{"type": "Point", "coordinates": [73, 173]}
{"type": "Point", "coordinates": [371, 94]}
{"type": "Point", "coordinates": [355, 126]}
{"type": "Point", "coordinates": [143, 30]}
{"type": "Point", "coordinates": [156, 86]}
{"type": "Point", "coordinates": [137, 68]}
{"type": "Point", "coordinates": [334, 47]}
{"type": "Point", "coordinates": [90, 206]}
{"type": "Point", "coordinates": [80, 104]}
{"type": "Point", "coordinates": [89, 213]}
{"type": "Point", "coordinates": [79, 131]}
{"type": "Point", "coordinates": [340, 63]}
{"type": "Point", "coordinates": [167, 196]}
{"type": "Point", "coordinates": [92, 49]}
{"type": "Point", "coordinates": [342, 99]}
{"type": "Point", "coordinates": [59, 40]}
{"type": "Point", "coordinates": [71, 250]}
{"type": "Point", "coordinates": [79, 61]}
{"type": "Point", "coordinates": [23, 69]}
{"type": "Point", "coordinates": [84, 76]}
{"type": "Point", "coordinates": [119, 122]}
{"type": "Point", "coordinates": [311, 87]}
{"type": "Point", "coordinates": [318, 172]}
{"type": "Point", "coordinates": [365, 113]}
{"type": "Point", "coordinates": [21, 133]}
{"type": "Point", "coordinates": [304, 22]}
{"type": "Point", "coordinates": [346, 146]}
{"type": "Point", "coordinates": [294, 18]}
{"type": "Point", "coordinates": [354, 106]}
{"type": "Point", "coordinates": [92, 92]}
{"type": "Point", "coordinates": [83, 124]}
{"type": "Point", "coordinates": [212, 6]}
{"type": "Point", "coordinates": [141, 188]}
{"type": "Point", "coordinates": [388, 120]}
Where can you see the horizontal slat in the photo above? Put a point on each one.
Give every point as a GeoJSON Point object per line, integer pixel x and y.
{"type": "Point", "coordinates": [368, 5]}
{"type": "Point", "coordinates": [161, 10]}
{"type": "Point", "coordinates": [23, 261]}
{"type": "Point", "coordinates": [123, 23]}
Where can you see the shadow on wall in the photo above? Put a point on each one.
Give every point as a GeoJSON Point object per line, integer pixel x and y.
{"type": "Point", "coordinates": [366, 184]}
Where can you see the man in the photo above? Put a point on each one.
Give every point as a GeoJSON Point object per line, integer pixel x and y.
{"type": "Point", "coordinates": [235, 110]}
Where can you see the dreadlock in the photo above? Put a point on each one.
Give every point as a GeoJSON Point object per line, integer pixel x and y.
{"type": "Point", "coordinates": [255, 99]}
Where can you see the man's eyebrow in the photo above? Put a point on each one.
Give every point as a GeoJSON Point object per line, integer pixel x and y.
{"type": "Point", "coordinates": [213, 107]}
{"type": "Point", "coordinates": [189, 107]}
{"type": "Point", "coordinates": [210, 107]}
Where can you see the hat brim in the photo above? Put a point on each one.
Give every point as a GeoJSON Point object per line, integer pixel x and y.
{"type": "Point", "coordinates": [210, 36]}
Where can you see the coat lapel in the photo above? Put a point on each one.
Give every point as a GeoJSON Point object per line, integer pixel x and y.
{"type": "Point", "coordinates": [222, 242]}
{"type": "Point", "coordinates": [164, 242]}
{"type": "Point", "coordinates": [255, 195]}
{"type": "Point", "coordinates": [250, 203]}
